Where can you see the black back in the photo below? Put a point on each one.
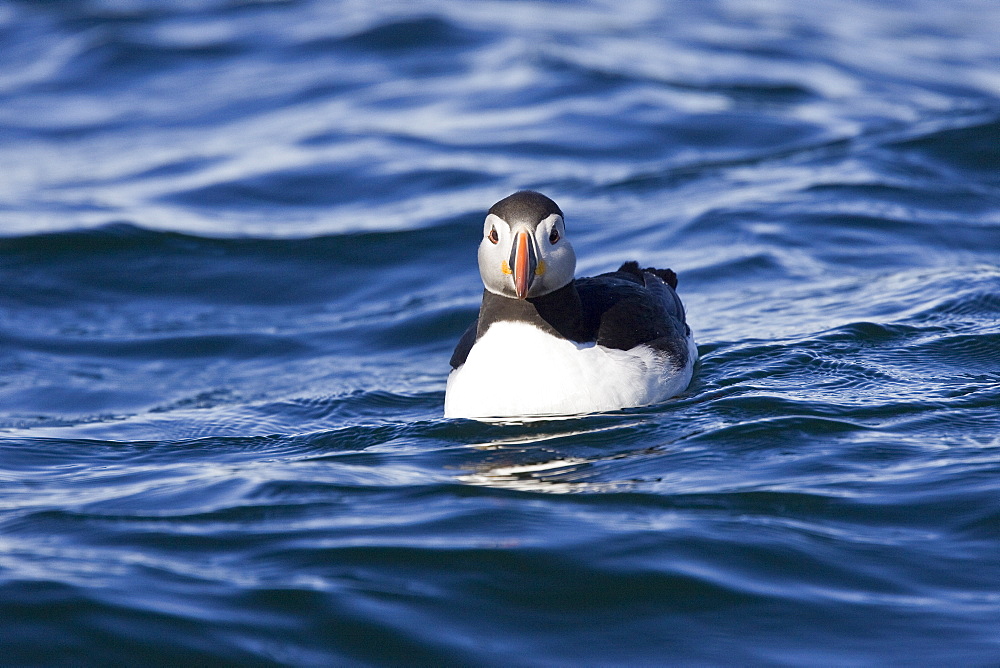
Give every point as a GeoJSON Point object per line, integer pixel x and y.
{"type": "Point", "coordinates": [619, 309]}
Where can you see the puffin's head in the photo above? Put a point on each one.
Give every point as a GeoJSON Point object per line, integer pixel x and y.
{"type": "Point", "coordinates": [525, 252]}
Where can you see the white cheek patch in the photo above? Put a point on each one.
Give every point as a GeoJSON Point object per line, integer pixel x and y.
{"type": "Point", "coordinates": [493, 267]}
{"type": "Point", "coordinates": [550, 222]}
{"type": "Point", "coordinates": [554, 224]}
{"type": "Point", "coordinates": [553, 218]}
{"type": "Point", "coordinates": [501, 226]}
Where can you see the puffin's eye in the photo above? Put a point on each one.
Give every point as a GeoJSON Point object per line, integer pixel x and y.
{"type": "Point", "coordinates": [553, 236]}
{"type": "Point", "coordinates": [492, 236]}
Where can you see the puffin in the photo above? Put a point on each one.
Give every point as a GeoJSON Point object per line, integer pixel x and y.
{"type": "Point", "coordinates": [547, 344]}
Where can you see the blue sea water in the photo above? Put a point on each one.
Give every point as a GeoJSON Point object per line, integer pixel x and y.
{"type": "Point", "coordinates": [237, 246]}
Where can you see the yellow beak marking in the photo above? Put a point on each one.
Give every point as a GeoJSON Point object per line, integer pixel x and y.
{"type": "Point", "coordinates": [505, 268]}
{"type": "Point", "coordinates": [540, 269]}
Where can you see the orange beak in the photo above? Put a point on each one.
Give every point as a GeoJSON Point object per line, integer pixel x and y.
{"type": "Point", "coordinates": [524, 263]}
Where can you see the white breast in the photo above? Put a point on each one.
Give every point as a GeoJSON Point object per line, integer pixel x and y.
{"type": "Point", "coordinates": [517, 370]}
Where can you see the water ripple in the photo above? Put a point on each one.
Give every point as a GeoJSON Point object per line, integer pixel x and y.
{"type": "Point", "coordinates": [237, 245]}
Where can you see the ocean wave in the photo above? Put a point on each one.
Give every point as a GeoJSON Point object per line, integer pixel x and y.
{"type": "Point", "coordinates": [238, 244]}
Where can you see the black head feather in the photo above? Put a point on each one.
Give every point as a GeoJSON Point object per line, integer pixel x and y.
{"type": "Point", "coordinates": [525, 206]}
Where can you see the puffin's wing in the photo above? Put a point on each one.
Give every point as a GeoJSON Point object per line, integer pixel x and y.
{"type": "Point", "coordinates": [633, 306]}
{"type": "Point", "coordinates": [661, 282]}
{"type": "Point", "coordinates": [464, 345]}
{"type": "Point", "coordinates": [630, 271]}
{"type": "Point", "coordinates": [668, 297]}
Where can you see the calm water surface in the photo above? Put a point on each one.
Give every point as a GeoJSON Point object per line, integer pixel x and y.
{"type": "Point", "coordinates": [237, 245]}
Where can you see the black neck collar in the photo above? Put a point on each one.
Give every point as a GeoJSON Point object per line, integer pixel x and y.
{"type": "Point", "coordinates": [560, 313]}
